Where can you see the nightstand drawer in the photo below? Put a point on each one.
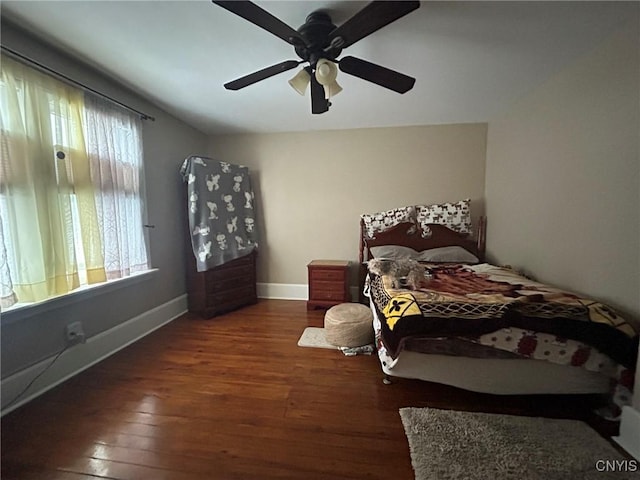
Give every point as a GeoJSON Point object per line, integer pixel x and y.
{"type": "Point", "coordinates": [329, 295]}
{"type": "Point", "coordinates": [327, 275]}
{"type": "Point", "coordinates": [327, 286]}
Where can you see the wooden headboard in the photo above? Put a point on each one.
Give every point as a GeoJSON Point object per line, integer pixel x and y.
{"type": "Point", "coordinates": [409, 234]}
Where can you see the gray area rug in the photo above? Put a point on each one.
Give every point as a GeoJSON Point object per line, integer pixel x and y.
{"type": "Point", "coordinates": [315, 337]}
{"type": "Point", "coordinates": [454, 445]}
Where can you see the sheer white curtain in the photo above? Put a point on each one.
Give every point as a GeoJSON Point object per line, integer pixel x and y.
{"type": "Point", "coordinates": [71, 188]}
{"type": "Point", "coordinates": [114, 147]}
{"type": "Point", "coordinates": [48, 216]}
{"type": "Point", "coordinates": [7, 295]}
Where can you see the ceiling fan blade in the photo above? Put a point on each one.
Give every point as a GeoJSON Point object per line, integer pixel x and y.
{"type": "Point", "coordinates": [396, 81]}
{"type": "Point", "coordinates": [263, 19]}
{"type": "Point", "coordinates": [261, 75]}
{"type": "Point", "coordinates": [319, 104]}
{"type": "Point", "coordinates": [370, 19]}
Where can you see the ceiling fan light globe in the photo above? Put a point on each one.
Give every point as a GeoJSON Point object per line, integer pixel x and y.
{"type": "Point", "coordinates": [300, 81]}
{"type": "Point", "coordinates": [332, 89]}
{"type": "Point", "coordinates": [326, 72]}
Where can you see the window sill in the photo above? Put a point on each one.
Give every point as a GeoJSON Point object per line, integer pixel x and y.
{"type": "Point", "coordinates": [20, 312]}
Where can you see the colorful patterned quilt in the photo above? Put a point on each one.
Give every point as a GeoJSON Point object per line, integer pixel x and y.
{"type": "Point", "coordinates": [486, 311]}
{"type": "Point", "coordinates": [474, 300]}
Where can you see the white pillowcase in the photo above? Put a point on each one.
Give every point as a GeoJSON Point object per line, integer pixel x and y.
{"type": "Point", "coordinates": [446, 254]}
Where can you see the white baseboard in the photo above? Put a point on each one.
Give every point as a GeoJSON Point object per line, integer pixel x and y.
{"type": "Point", "coordinates": [84, 355]}
{"type": "Point", "coordinates": [283, 291]}
{"type": "Point", "coordinates": [289, 291]}
{"type": "Point", "coordinates": [629, 437]}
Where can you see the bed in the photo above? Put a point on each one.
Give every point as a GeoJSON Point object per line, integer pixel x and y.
{"type": "Point", "coordinates": [483, 327]}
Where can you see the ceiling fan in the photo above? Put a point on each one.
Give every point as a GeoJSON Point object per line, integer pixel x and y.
{"type": "Point", "coordinates": [319, 43]}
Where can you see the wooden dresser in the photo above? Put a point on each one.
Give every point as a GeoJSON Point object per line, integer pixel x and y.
{"type": "Point", "coordinates": [328, 283]}
{"type": "Point", "coordinates": [223, 288]}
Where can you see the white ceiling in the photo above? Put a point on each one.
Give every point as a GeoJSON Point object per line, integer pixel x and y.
{"type": "Point", "coordinates": [470, 59]}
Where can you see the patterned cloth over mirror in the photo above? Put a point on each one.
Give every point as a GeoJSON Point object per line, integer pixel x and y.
{"type": "Point", "coordinates": [221, 208]}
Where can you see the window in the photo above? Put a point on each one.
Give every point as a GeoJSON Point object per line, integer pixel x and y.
{"type": "Point", "coordinates": [71, 188]}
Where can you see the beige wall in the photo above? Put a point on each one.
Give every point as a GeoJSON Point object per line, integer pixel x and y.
{"type": "Point", "coordinates": [562, 185]}
{"type": "Point", "coordinates": [312, 187]}
{"type": "Point", "coordinates": [563, 178]}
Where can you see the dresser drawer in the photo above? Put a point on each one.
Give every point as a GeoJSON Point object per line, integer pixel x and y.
{"type": "Point", "coordinates": [227, 273]}
{"type": "Point", "coordinates": [216, 299]}
{"type": "Point", "coordinates": [223, 284]}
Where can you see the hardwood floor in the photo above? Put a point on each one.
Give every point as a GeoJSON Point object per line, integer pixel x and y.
{"type": "Point", "coordinates": [234, 397]}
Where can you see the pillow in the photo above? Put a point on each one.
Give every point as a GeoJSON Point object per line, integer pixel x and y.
{"type": "Point", "coordinates": [393, 252]}
{"type": "Point", "coordinates": [379, 222]}
{"type": "Point", "coordinates": [456, 216]}
{"type": "Point", "coordinates": [446, 254]}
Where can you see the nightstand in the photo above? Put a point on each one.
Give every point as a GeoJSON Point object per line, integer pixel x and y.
{"type": "Point", "coordinates": [328, 283]}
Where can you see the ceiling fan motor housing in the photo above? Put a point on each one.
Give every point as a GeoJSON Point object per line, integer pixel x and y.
{"type": "Point", "coordinates": [315, 32]}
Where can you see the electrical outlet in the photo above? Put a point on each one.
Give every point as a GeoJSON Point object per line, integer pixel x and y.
{"type": "Point", "coordinates": [74, 333]}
